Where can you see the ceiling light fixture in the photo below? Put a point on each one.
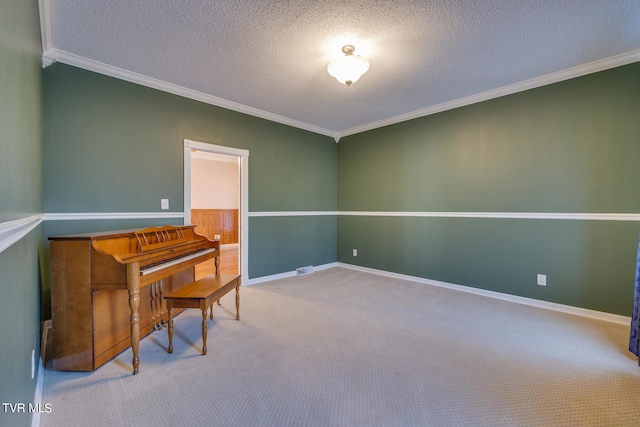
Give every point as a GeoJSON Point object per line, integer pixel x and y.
{"type": "Point", "coordinates": [349, 68]}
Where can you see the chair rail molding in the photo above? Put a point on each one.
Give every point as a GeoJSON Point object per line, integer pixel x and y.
{"type": "Point", "coordinates": [67, 216]}
{"type": "Point", "coordinates": [12, 231]}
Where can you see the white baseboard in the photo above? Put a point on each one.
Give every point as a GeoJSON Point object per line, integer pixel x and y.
{"type": "Point", "coordinates": [578, 311]}
{"type": "Point", "coordinates": [285, 275]}
{"type": "Point", "coordinates": [600, 315]}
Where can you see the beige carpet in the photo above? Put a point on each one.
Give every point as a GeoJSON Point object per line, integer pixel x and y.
{"type": "Point", "coordinates": [345, 348]}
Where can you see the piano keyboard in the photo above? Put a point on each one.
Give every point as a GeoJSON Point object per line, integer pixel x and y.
{"type": "Point", "coordinates": [152, 268]}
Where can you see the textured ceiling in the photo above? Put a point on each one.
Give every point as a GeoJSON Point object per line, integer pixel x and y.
{"type": "Point", "coordinates": [269, 57]}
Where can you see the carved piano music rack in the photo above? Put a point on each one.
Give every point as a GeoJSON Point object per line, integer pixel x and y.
{"type": "Point", "coordinates": [107, 287]}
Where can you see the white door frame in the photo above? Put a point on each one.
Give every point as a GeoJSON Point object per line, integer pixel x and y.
{"type": "Point", "coordinates": [243, 163]}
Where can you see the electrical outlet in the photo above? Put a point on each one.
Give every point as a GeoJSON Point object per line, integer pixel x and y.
{"type": "Point", "coordinates": [164, 203]}
{"type": "Point", "coordinates": [355, 252]}
{"type": "Point", "coordinates": [216, 237]}
{"type": "Point", "coordinates": [542, 279]}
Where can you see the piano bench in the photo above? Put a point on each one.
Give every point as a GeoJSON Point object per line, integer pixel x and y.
{"type": "Point", "coordinates": [202, 294]}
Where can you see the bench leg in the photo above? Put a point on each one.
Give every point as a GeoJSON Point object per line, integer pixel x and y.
{"type": "Point", "coordinates": [170, 329]}
{"type": "Point", "coordinates": [204, 331]}
{"type": "Point", "coordinates": [238, 302]}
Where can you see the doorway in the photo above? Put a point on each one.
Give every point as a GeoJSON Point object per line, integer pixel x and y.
{"type": "Point", "coordinates": [215, 199]}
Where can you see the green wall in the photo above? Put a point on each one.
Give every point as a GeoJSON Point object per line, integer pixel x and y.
{"type": "Point", "coordinates": [114, 146]}
{"type": "Point", "coordinates": [283, 234]}
{"type": "Point", "coordinates": [20, 197]}
{"type": "Point", "coordinates": [570, 147]}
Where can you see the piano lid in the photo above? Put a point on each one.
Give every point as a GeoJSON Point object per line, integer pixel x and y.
{"type": "Point", "coordinates": [135, 243]}
{"type": "Point", "coordinates": [97, 235]}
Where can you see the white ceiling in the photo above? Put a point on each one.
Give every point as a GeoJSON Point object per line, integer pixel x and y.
{"type": "Point", "coordinates": [269, 58]}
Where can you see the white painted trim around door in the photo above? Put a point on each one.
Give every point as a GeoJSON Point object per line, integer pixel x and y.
{"type": "Point", "coordinates": [243, 163]}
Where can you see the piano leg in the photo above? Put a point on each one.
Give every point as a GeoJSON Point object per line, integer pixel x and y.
{"type": "Point", "coordinates": [170, 309]}
{"type": "Point", "coordinates": [204, 330]}
{"type": "Point", "coordinates": [133, 286]}
{"type": "Point", "coordinates": [238, 301]}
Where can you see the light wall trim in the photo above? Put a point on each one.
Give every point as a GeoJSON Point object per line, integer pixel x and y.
{"type": "Point", "coordinates": [12, 231]}
{"type": "Point", "coordinates": [51, 55]}
{"type": "Point", "coordinates": [504, 215]}
{"type": "Point", "coordinates": [110, 215]}
{"type": "Point", "coordinates": [293, 213]}
{"type": "Point", "coordinates": [284, 275]}
{"type": "Point", "coordinates": [593, 314]}
{"type": "Point", "coordinates": [562, 308]}
{"type": "Point", "coordinates": [242, 157]}
{"type": "Point", "coordinates": [580, 216]}
{"type": "Point", "coordinates": [46, 32]}
{"type": "Point", "coordinates": [570, 73]}
{"type": "Point", "coordinates": [54, 55]}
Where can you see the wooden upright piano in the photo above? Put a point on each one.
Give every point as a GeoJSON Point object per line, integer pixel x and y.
{"type": "Point", "coordinates": [97, 307]}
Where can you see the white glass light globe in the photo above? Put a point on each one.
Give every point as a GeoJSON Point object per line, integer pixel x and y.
{"type": "Point", "coordinates": [348, 69]}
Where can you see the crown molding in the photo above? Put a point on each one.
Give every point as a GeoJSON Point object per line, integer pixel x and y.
{"type": "Point", "coordinates": [46, 35]}
{"type": "Point", "coordinates": [54, 55]}
{"type": "Point", "coordinates": [570, 73]}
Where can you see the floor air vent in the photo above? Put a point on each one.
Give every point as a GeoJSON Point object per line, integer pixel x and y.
{"type": "Point", "coordinates": [304, 270]}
